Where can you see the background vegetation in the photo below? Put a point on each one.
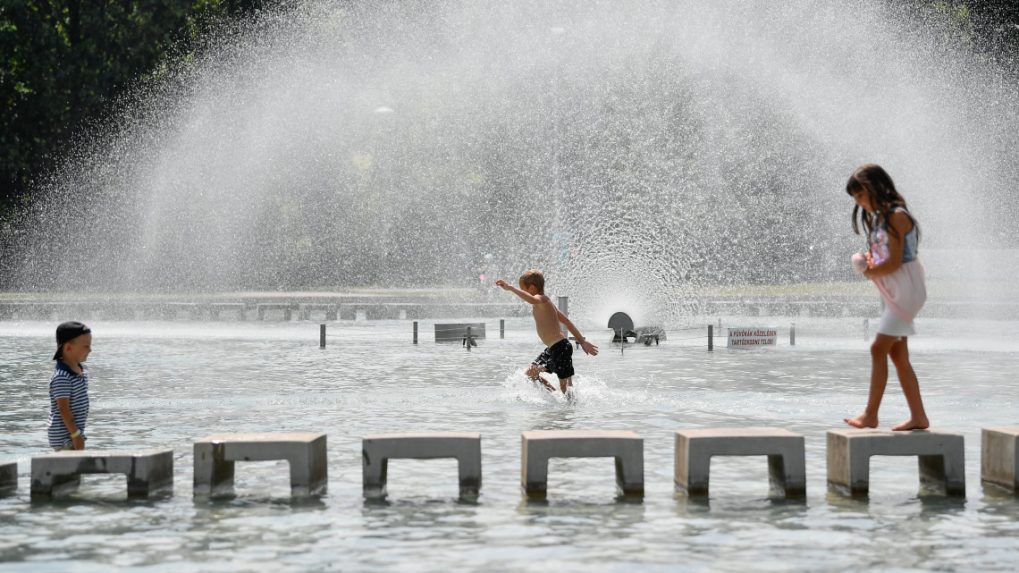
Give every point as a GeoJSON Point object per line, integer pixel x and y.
{"type": "Point", "coordinates": [65, 63]}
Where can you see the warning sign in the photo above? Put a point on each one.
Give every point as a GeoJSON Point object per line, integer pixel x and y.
{"type": "Point", "coordinates": [752, 336]}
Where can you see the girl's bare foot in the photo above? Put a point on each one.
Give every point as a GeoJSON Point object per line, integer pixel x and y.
{"type": "Point", "coordinates": [911, 424]}
{"type": "Point", "coordinates": [862, 421]}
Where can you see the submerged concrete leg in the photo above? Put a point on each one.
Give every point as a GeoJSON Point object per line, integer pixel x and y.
{"type": "Point", "coordinates": [692, 470]}
{"type": "Point", "coordinates": [787, 474]}
{"type": "Point", "coordinates": [213, 474]}
{"type": "Point", "coordinates": [630, 472]}
{"type": "Point", "coordinates": [941, 458]}
{"type": "Point", "coordinates": [8, 478]}
{"type": "Point", "coordinates": [309, 475]}
{"type": "Point", "coordinates": [999, 457]}
{"type": "Point", "coordinates": [150, 475]}
{"type": "Point", "coordinates": [55, 486]}
{"type": "Point", "coordinates": [538, 447]}
{"type": "Point", "coordinates": [784, 450]}
{"type": "Point", "coordinates": [148, 471]}
{"type": "Point", "coordinates": [378, 449]}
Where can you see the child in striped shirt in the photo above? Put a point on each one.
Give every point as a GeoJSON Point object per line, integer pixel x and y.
{"type": "Point", "coordinates": [69, 387]}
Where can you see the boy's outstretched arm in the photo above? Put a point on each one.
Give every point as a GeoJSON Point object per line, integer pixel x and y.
{"type": "Point", "coordinates": [587, 346]}
{"type": "Point", "coordinates": [526, 296]}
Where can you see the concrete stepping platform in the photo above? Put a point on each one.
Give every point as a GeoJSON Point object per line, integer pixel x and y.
{"type": "Point", "coordinates": [787, 471]}
{"type": "Point", "coordinates": [378, 449]}
{"type": "Point", "coordinates": [8, 478]}
{"type": "Point", "coordinates": [941, 458]}
{"type": "Point", "coordinates": [215, 456]}
{"type": "Point", "coordinates": [537, 447]}
{"type": "Point", "coordinates": [149, 472]}
{"type": "Point", "coordinates": [999, 457]}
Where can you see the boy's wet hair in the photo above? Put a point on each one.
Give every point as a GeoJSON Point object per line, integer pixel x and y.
{"type": "Point", "coordinates": [533, 277]}
{"type": "Point", "coordinates": [873, 180]}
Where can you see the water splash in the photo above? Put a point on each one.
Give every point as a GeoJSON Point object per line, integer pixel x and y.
{"type": "Point", "coordinates": [588, 391]}
{"type": "Point", "coordinates": [634, 151]}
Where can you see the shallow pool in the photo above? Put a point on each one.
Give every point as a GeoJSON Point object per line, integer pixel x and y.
{"type": "Point", "coordinates": [165, 384]}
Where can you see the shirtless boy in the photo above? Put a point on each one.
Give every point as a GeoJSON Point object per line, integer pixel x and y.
{"type": "Point", "coordinates": [558, 356]}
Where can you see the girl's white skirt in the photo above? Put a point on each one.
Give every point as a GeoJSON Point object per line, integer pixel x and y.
{"type": "Point", "coordinates": [904, 293]}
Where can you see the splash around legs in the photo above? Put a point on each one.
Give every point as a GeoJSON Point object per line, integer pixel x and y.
{"type": "Point", "coordinates": [534, 373]}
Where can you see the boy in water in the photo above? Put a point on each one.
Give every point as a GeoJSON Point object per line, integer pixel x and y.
{"type": "Point", "coordinates": [69, 387]}
{"type": "Point", "coordinates": [558, 356]}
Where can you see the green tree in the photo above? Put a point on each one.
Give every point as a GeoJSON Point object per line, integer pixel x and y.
{"type": "Point", "coordinates": [64, 63]}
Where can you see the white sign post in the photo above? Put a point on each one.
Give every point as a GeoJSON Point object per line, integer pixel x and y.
{"type": "Point", "coordinates": [752, 336]}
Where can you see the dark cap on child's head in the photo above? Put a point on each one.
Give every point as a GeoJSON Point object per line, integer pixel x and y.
{"type": "Point", "coordinates": [68, 331]}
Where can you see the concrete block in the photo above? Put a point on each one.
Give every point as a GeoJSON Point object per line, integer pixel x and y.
{"type": "Point", "coordinates": [215, 309]}
{"type": "Point", "coordinates": [999, 457]}
{"type": "Point", "coordinates": [8, 478]}
{"type": "Point", "coordinates": [787, 472]}
{"type": "Point", "coordinates": [539, 446]}
{"type": "Point", "coordinates": [149, 472]}
{"type": "Point", "coordinates": [940, 455]}
{"type": "Point", "coordinates": [305, 310]}
{"type": "Point", "coordinates": [378, 449]}
{"type": "Point", "coordinates": [287, 308]}
{"type": "Point", "coordinates": [215, 456]}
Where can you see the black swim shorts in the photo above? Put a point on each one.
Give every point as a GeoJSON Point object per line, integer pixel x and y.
{"type": "Point", "coordinates": [557, 359]}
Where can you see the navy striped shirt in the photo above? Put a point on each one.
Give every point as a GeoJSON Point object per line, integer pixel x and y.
{"type": "Point", "coordinates": [66, 384]}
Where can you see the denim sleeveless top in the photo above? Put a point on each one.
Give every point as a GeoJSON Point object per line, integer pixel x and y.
{"type": "Point", "coordinates": [878, 240]}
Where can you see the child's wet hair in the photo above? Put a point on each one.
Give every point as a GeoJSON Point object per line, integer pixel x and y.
{"type": "Point", "coordinates": [873, 180]}
{"type": "Point", "coordinates": [533, 277]}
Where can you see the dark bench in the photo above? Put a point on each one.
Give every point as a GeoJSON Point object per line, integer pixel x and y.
{"type": "Point", "coordinates": [647, 334]}
{"type": "Point", "coordinates": [457, 332]}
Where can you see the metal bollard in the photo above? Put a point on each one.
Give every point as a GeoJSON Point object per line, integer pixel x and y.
{"type": "Point", "coordinates": [415, 332]}
{"type": "Point", "coordinates": [564, 307]}
{"type": "Point", "coordinates": [622, 341]}
{"type": "Point", "coordinates": [502, 328]}
{"type": "Point", "coordinates": [792, 335]}
{"type": "Point", "coordinates": [866, 329]}
{"type": "Point", "coordinates": [711, 337]}
{"type": "Point", "coordinates": [321, 336]}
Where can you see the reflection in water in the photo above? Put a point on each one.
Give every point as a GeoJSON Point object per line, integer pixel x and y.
{"type": "Point", "coordinates": [778, 506]}
{"type": "Point", "coordinates": [438, 517]}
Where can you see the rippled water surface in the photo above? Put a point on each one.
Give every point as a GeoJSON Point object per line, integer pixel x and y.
{"type": "Point", "coordinates": [165, 384]}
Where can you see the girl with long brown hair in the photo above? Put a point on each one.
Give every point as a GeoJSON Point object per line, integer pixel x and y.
{"type": "Point", "coordinates": [891, 263]}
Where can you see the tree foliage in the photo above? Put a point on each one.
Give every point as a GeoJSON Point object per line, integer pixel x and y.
{"type": "Point", "coordinates": [63, 64]}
